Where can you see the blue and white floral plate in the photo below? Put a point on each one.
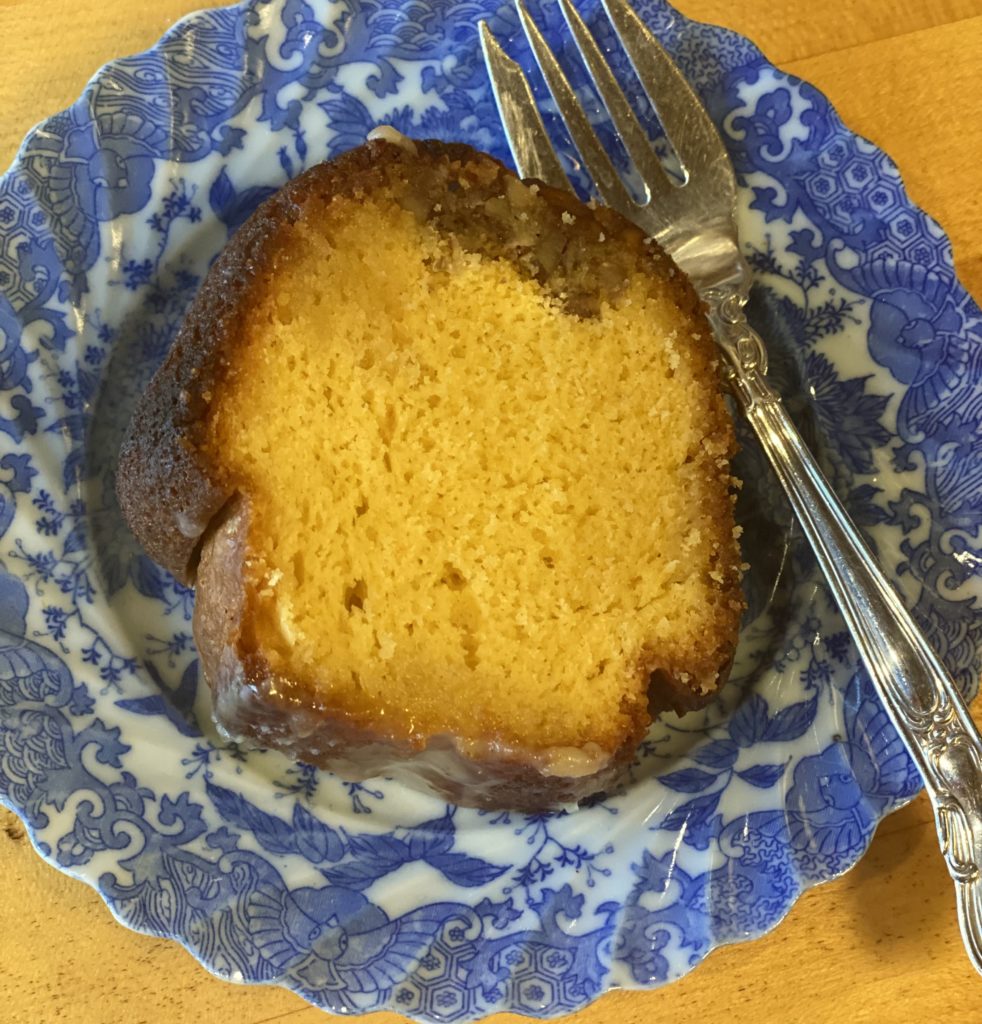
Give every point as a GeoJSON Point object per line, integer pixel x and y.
{"type": "Point", "coordinates": [367, 896]}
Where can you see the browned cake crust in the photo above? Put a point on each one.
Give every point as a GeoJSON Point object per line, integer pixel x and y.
{"type": "Point", "coordinates": [190, 520]}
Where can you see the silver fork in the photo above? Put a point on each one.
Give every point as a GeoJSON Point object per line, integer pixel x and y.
{"type": "Point", "coordinates": [696, 224]}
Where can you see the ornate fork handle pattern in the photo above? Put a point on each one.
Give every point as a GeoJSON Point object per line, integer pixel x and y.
{"type": "Point", "coordinates": [914, 686]}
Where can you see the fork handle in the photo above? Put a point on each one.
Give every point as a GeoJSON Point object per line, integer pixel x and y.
{"type": "Point", "coordinates": [916, 690]}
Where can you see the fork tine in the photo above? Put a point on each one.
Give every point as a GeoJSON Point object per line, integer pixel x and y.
{"type": "Point", "coordinates": [595, 158]}
{"type": "Point", "coordinates": [526, 132]}
{"type": "Point", "coordinates": [687, 125]}
{"type": "Point", "coordinates": [634, 137]}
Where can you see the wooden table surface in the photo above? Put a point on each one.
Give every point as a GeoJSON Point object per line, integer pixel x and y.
{"type": "Point", "coordinates": [880, 944]}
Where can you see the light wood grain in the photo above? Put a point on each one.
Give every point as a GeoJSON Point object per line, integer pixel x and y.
{"type": "Point", "coordinates": [879, 945]}
{"type": "Point", "coordinates": [793, 31]}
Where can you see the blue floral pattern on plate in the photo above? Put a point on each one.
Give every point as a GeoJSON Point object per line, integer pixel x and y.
{"type": "Point", "coordinates": [366, 896]}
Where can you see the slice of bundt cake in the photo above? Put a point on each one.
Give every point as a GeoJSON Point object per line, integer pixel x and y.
{"type": "Point", "coordinates": [445, 456]}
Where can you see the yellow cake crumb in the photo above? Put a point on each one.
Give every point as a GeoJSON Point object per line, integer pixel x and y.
{"type": "Point", "coordinates": [459, 486]}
